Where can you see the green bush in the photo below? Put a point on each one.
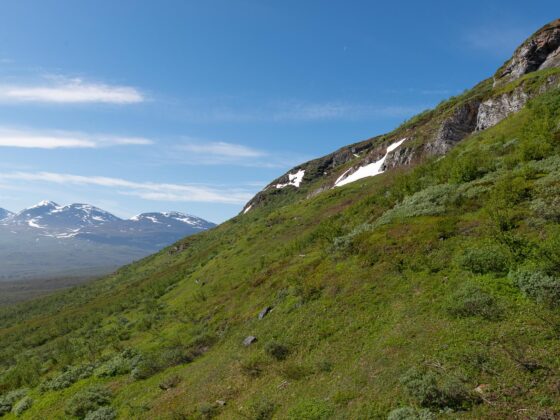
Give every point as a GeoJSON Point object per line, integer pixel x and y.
{"type": "Point", "coordinates": [430, 201]}
{"type": "Point", "coordinates": [118, 365]}
{"type": "Point", "coordinates": [485, 259]}
{"type": "Point", "coordinates": [150, 363]}
{"type": "Point", "coordinates": [469, 166]}
{"type": "Point", "coordinates": [67, 378]}
{"type": "Point", "coordinates": [436, 391]}
{"type": "Point", "coordinates": [310, 410]}
{"type": "Point", "coordinates": [537, 285]}
{"type": "Point", "coordinates": [103, 413]}
{"type": "Point", "coordinates": [23, 405]}
{"type": "Point", "coordinates": [470, 300]}
{"type": "Point", "coordinates": [8, 400]}
{"type": "Point", "coordinates": [88, 400]}
{"type": "Point", "coordinates": [409, 413]}
{"type": "Point", "coordinates": [208, 411]}
{"type": "Point", "coordinates": [261, 409]}
{"type": "Point", "coordinates": [276, 350]}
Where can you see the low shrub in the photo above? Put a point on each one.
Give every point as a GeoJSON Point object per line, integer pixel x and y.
{"type": "Point", "coordinates": [537, 285]}
{"type": "Point", "coordinates": [208, 411]}
{"type": "Point", "coordinates": [23, 405]}
{"type": "Point", "coordinates": [150, 363]}
{"type": "Point", "coordinates": [88, 400]}
{"type": "Point", "coordinates": [310, 410]}
{"type": "Point", "coordinates": [436, 391]}
{"type": "Point", "coordinates": [103, 413]}
{"type": "Point", "coordinates": [276, 350]}
{"type": "Point", "coordinates": [261, 409]}
{"type": "Point", "coordinates": [8, 400]}
{"type": "Point", "coordinates": [484, 259]}
{"type": "Point", "coordinates": [68, 377]}
{"type": "Point", "coordinates": [118, 365]}
{"type": "Point", "coordinates": [410, 413]}
{"type": "Point", "coordinates": [170, 382]}
{"type": "Point", "coordinates": [470, 300]}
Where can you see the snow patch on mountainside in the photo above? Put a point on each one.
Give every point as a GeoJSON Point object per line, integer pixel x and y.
{"type": "Point", "coordinates": [293, 179]}
{"type": "Point", "coordinates": [371, 169]}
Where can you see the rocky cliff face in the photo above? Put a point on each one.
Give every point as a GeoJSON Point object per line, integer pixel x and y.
{"type": "Point", "coordinates": [455, 128]}
{"type": "Point", "coordinates": [540, 51]}
{"type": "Point", "coordinates": [484, 106]}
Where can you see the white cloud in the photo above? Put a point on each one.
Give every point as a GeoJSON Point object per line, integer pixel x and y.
{"type": "Point", "coordinates": [221, 149]}
{"type": "Point", "coordinates": [64, 90]}
{"type": "Point", "coordinates": [295, 111]}
{"type": "Point", "coordinates": [146, 190]}
{"type": "Point", "coordinates": [61, 139]}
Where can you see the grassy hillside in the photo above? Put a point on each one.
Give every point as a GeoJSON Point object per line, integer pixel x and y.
{"type": "Point", "coordinates": [424, 292]}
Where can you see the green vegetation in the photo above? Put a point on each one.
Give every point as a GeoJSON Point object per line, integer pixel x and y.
{"type": "Point", "coordinates": [430, 292]}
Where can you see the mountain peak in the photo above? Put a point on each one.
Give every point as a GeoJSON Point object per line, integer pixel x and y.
{"type": "Point", "coordinates": [44, 203]}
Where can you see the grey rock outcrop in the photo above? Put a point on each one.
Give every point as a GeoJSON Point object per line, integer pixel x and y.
{"type": "Point", "coordinates": [540, 51]}
{"type": "Point", "coordinates": [402, 156]}
{"type": "Point", "coordinates": [454, 129]}
{"type": "Point", "coordinates": [494, 110]}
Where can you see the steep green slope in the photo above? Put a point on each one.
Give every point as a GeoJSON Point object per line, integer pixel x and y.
{"type": "Point", "coordinates": [431, 290]}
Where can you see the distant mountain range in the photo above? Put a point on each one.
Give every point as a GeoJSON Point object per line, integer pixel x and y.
{"type": "Point", "coordinates": [49, 239]}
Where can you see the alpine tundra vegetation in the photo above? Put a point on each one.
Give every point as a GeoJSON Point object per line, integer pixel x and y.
{"type": "Point", "coordinates": [428, 289]}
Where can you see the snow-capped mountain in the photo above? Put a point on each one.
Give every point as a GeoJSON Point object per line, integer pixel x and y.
{"type": "Point", "coordinates": [50, 216]}
{"type": "Point", "coordinates": [82, 236]}
{"type": "Point", "coordinates": [4, 214]}
{"type": "Point", "coordinates": [172, 219]}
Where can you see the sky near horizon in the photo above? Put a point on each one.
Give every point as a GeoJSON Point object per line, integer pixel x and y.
{"type": "Point", "coordinates": [194, 106]}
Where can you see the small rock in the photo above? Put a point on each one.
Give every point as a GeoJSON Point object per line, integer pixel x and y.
{"type": "Point", "coordinates": [249, 340]}
{"type": "Point", "coordinates": [264, 312]}
{"type": "Point", "coordinates": [221, 403]}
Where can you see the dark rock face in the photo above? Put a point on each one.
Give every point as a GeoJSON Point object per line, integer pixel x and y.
{"type": "Point", "coordinates": [402, 156]}
{"type": "Point", "coordinates": [454, 129]}
{"type": "Point", "coordinates": [540, 51]}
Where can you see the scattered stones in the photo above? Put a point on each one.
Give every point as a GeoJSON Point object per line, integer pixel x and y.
{"type": "Point", "coordinates": [265, 312]}
{"type": "Point", "coordinates": [249, 340]}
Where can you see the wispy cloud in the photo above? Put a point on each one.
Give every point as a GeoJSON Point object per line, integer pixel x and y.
{"type": "Point", "coordinates": [145, 190]}
{"type": "Point", "coordinates": [196, 151]}
{"type": "Point", "coordinates": [30, 139]}
{"type": "Point", "coordinates": [64, 90]}
{"type": "Point", "coordinates": [220, 149]}
{"type": "Point", "coordinates": [293, 111]}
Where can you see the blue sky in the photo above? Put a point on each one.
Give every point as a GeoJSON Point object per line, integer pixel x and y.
{"type": "Point", "coordinates": [194, 106]}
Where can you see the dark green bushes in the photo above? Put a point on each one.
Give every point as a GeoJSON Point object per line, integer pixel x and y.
{"type": "Point", "coordinates": [437, 391]}
{"type": "Point", "coordinates": [484, 259]}
{"type": "Point", "coordinates": [276, 350]}
{"type": "Point", "coordinates": [68, 377]}
{"type": "Point", "coordinates": [310, 410]}
{"type": "Point", "coordinates": [470, 300]}
{"type": "Point", "coordinates": [11, 399]}
{"type": "Point", "coordinates": [87, 401]}
{"type": "Point", "coordinates": [537, 285]}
